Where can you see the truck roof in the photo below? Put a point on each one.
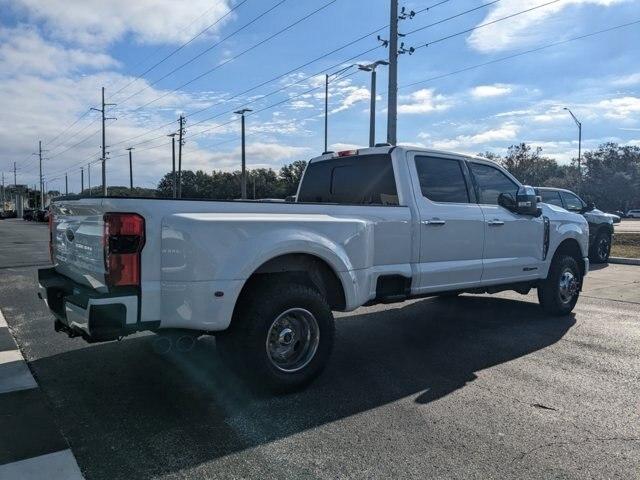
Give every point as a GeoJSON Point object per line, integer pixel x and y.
{"type": "Point", "coordinates": [388, 149]}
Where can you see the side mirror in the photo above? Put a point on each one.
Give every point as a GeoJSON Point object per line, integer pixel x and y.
{"type": "Point", "coordinates": [527, 202]}
{"type": "Point", "coordinates": [507, 201]}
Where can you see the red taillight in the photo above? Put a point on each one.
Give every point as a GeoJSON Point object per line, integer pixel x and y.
{"type": "Point", "coordinates": [123, 242]}
{"type": "Point", "coordinates": [347, 153]}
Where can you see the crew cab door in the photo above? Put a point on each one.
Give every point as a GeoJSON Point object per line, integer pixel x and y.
{"type": "Point", "coordinates": [513, 242]}
{"type": "Point", "coordinates": [451, 228]}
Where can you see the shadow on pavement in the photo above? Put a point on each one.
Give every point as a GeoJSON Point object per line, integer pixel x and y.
{"type": "Point", "coordinates": [131, 414]}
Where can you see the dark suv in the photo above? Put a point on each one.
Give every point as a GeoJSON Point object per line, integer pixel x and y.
{"type": "Point", "coordinates": [600, 224]}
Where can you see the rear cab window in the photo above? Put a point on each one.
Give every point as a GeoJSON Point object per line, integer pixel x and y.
{"type": "Point", "coordinates": [356, 179]}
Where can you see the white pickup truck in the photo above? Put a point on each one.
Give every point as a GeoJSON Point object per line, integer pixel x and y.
{"type": "Point", "coordinates": [374, 225]}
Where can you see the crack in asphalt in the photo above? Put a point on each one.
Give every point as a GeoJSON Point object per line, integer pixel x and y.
{"type": "Point", "coordinates": [577, 442]}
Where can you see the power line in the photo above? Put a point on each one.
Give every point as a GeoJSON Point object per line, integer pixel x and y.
{"type": "Point", "coordinates": [430, 7]}
{"type": "Point", "coordinates": [191, 60]}
{"type": "Point", "coordinates": [176, 50]}
{"type": "Point", "coordinates": [229, 60]}
{"type": "Point", "coordinates": [519, 54]}
{"type": "Point", "coordinates": [452, 17]}
{"type": "Point", "coordinates": [482, 25]}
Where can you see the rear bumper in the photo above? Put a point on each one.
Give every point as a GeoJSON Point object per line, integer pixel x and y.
{"type": "Point", "coordinates": [81, 311]}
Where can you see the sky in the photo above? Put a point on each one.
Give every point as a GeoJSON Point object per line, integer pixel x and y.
{"type": "Point", "coordinates": [467, 87]}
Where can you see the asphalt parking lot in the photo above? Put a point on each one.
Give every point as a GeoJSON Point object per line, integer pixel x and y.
{"type": "Point", "coordinates": [475, 387]}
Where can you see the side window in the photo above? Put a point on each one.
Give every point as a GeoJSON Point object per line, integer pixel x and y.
{"type": "Point", "coordinates": [571, 202]}
{"type": "Point", "coordinates": [442, 180]}
{"type": "Point", "coordinates": [551, 197]}
{"type": "Point", "coordinates": [491, 182]}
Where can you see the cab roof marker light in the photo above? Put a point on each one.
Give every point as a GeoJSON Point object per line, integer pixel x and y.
{"type": "Point", "coordinates": [347, 153]}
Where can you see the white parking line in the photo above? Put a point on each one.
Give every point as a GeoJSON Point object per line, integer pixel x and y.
{"type": "Point", "coordinates": [14, 372]}
{"type": "Point", "coordinates": [3, 322]}
{"type": "Point", "coordinates": [53, 466]}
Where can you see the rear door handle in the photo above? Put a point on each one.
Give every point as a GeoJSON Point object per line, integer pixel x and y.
{"type": "Point", "coordinates": [434, 221]}
{"type": "Point", "coordinates": [495, 223]}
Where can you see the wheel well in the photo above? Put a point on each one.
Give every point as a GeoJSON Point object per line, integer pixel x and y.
{"type": "Point", "coordinates": [571, 247]}
{"type": "Point", "coordinates": [299, 268]}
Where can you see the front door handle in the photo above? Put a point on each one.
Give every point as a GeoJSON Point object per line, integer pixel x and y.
{"type": "Point", "coordinates": [434, 221]}
{"type": "Point", "coordinates": [495, 223]}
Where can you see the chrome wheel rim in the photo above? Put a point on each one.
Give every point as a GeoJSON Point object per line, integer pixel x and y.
{"type": "Point", "coordinates": [568, 286]}
{"type": "Point", "coordinates": [292, 340]}
{"type": "Point", "coordinates": [603, 248]}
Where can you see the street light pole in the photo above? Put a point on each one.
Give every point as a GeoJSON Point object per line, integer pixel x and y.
{"type": "Point", "coordinates": [579, 124]}
{"type": "Point", "coordinates": [244, 159]}
{"type": "Point", "coordinates": [372, 113]}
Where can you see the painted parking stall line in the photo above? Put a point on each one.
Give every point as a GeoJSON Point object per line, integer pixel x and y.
{"type": "Point", "coordinates": [31, 445]}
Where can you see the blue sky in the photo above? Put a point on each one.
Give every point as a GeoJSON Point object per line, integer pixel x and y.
{"type": "Point", "coordinates": [56, 54]}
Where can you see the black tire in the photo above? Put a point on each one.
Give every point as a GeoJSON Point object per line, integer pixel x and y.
{"type": "Point", "coordinates": [555, 298]}
{"type": "Point", "coordinates": [601, 248]}
{"type": "Point", "coordinates": [261, 325]}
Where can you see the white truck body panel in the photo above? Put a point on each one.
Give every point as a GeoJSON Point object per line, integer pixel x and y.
{"type": "Point", "coordinates": [198, 255]}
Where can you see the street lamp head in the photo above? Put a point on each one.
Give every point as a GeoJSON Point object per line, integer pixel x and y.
{"type": "Point", "coordinates": [243, 111]}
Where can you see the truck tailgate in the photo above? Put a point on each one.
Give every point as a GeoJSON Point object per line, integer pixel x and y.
{"type": "Point", "coordinates": [77, 236]}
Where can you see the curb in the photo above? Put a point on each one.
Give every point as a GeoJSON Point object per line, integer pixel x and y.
{"type": "Point", "coordinates": [624, 261]}
{"type": "Point", "coordinates": [31, 444]}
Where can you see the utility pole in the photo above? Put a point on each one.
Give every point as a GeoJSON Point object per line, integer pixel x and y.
{"type": "Point", "coordinates": [244, 156]}
{"type": "Point", "coordinates": [326, 112]}
{"type": "Point", "coordinates": [392, 106]}
{"type": "Point", "coordinates": [81, 180]}
{"type": "Point", "coordinates": [181, 133]}
{"type": "Point", "coordinates": [173, 164]}
{"type": "Point", "coordinates": [89, 175]}
{"type": "Point", "coordinates": [130, 169]}
{"type": "Point", "coordinates": [66, 184]}
{"type": "Point", "coordinates": [15, 187]}
{"type": "Point", "coordinates": [104, 145]}
{"type": "Point", "coordinates": [372, 113]}
{"type": "Point", "coordinates": [41, 189]}
{"type": "Point", "coordinates": [3, 192]}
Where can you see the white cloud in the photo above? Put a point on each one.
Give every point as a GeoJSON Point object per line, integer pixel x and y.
{"type": "Point", "coordinates": [619, 108]}
{"type": "Point", "coordinates": [488, 91]}
{"type": "Point", "coordinates": [523, 29]}
{"type": "Point", "coordinates": [23, 51]}
{"type": "Point", "coordinates": [423, 101]}
{"type": "Point", "coordinates": [351, 96]}
{"type": "Point", "coordinates": [259, 155]}
{"type": "Point", "coordinates": [505, 132]}
{"type": "Point", "coordinates": [627, 80]}
{"type": "Point", "coordinates": [96, 22]}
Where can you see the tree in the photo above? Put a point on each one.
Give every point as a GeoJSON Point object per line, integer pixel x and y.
{"type": "Point", "coordinates": [220, 185]}
{"type": "Point", "coordinates": [291, 175]}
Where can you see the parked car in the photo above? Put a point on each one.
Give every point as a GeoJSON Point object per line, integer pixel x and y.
{"type": "Point", "coordinates": [42, 215]}
{"type": "Point", "coordinates": [9, 214]}
{"type": "Point", "coordinates": [376, 225]}
{"type": "Point", "coordinates": [620, 213]}
{"type": "Point", "coordinates": [28, 214]}
{"type": "Point", "coordinates": [635, 213]}
{"type": "Point", "coordinates": [600, 223]}
{"type": "Point", "coordinates": [614, 218]}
